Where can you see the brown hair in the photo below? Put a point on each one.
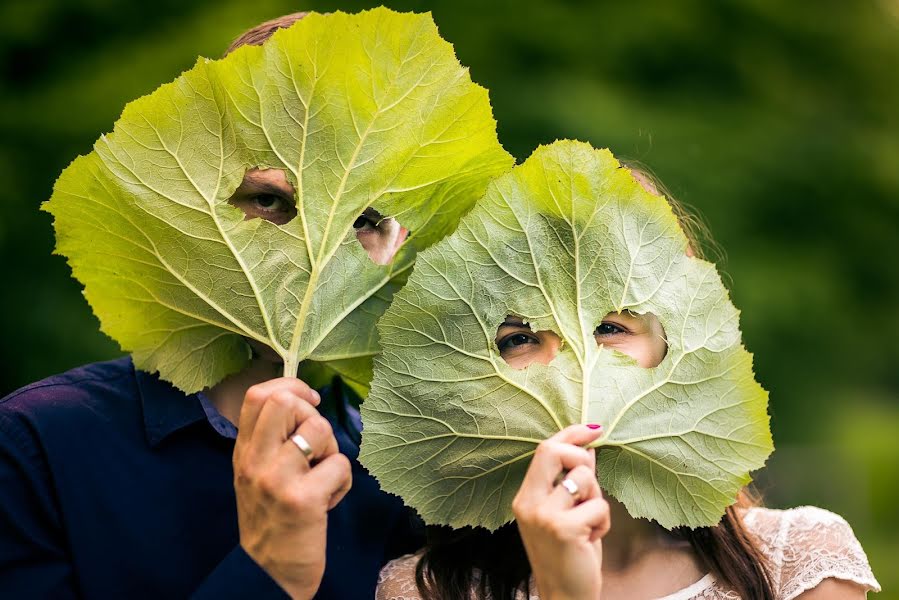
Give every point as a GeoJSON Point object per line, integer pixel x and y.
{"type": "Point", "coordinates": [255, 36]}
{"type": "Point", "coordinates": [702, 244]}
{"type": "Point", "coordinates": [473, 563]}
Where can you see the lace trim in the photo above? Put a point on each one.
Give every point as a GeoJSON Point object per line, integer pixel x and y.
{"type": "Point", "coordinates": [693, 590]}
{"type": "Point", "coordinates": [868, 583]}
{"type": "Point", "coordinates": [820, 545]}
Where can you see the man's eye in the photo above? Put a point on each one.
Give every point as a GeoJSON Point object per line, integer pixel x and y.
{"type": "Point", "coordinates": [514, 340]}
{"type": "Point", "coordinates": [363, 222]}
{"type": "Point", "coordinates": [269, 202]}
{"type": "Point", "coordinates": [608, 329]}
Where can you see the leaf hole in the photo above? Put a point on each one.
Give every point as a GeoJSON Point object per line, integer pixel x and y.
{"type": "Point", "coordinates": [266, 194]}
{"type": "Point", "coordinates": [519, 345]}
{"type": "Point", "coordinates": [381, 237]}
{"type": "Point", "coordinates": [640, 336]}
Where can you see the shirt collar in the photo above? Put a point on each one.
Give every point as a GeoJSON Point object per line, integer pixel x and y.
{"type": "Point", "coordinates": [166, 408]}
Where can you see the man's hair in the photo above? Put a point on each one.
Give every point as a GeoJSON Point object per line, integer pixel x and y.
{"type": "Point", "coordinates": [255, 36]}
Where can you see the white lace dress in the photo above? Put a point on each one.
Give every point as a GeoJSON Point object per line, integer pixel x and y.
{"type": "Point", "coordinates": [804, 545]}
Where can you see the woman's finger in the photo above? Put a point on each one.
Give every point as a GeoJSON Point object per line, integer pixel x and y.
{"type": "Point", "coordinates": [593, 515]}
{"type": "Point", "coordinates": [550, 459]}
{"type": "Point", "coordinates": [576, 487]}
{"type": "Point", "coordinates": [578, 435]}
{"type": "Point", "coordinates": [562, 451]}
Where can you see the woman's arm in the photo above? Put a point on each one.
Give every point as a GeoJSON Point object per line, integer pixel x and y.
{"type": "Point", "coordinates": [562, 522]}
{"type": "Point", "coordinates": [834, 589]}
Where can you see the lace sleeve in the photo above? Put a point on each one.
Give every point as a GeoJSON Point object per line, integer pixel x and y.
{"type": "Point", "coordinates": [397, 579]}
{"type": "Point", "coordinates": [817, 544]}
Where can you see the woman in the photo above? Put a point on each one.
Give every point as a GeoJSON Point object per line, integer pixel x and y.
{"type": "Point", "coordinates": [570, 542]}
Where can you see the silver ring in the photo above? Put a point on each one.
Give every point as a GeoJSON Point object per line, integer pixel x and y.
{"type": "Point", "coordinates": [570, 487]}
{"type": "Point", "coordinates": [303, 445]}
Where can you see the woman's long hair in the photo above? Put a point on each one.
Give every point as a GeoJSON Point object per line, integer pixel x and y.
{"type": "Point", "coordinates": [473, 563]}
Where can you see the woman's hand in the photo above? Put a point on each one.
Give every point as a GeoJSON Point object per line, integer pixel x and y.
{"type": "Point", "coordinates": [561, 530]}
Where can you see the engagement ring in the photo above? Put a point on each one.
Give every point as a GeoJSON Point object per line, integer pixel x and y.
{"type": "Point", "coordinates": [570, 487]}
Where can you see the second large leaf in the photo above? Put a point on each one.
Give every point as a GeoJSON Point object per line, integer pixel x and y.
{"type": "Point", "coordinates": [366, 112]}
{"type": "Point", "coordinates": [560, 243]}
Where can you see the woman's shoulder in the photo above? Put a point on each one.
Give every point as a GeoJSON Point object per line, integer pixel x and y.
{"type": "Point", "coordinates": [397, 579]}
{"type": "Point", "coordinates": [770, 524]}
{"type": "Point", "coordinates": [806, 545]}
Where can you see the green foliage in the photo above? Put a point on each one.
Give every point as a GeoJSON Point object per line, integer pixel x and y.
{"type": "Point", "coordinates": [564, 239]}
{"type": "Point", "coordinates": [368, 110]}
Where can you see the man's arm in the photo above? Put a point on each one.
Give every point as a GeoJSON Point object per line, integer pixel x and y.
{"type": "Point", "coordinates": [34, 561]}
{"type": "Point", "coordinates": [283, 498]}
{"type": "Point", "coordinates": [282, 505]}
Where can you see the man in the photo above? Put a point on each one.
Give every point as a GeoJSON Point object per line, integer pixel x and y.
{"type": "Point", "coordinates": [115, 484]}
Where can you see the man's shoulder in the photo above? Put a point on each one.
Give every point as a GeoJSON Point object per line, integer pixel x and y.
{"type": "Point", "coordinates": [82, 390]}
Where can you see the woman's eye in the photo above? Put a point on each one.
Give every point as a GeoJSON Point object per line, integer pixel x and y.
{"type": "Point", "coordinates": [363, 222]}
{"type": "Point", "coordinates": [514, 340]}
{"type": "Point", "coordinates": [608, 329]}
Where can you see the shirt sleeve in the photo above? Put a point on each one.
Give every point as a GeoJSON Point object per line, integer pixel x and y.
{"type": "Point", "coordinates": [34, 559]}
{"type": "Point", "coordinates": [238, 576]}
{"type": "Point", "coordinates": [820, 545]}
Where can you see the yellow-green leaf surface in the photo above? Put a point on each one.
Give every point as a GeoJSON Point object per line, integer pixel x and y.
{"type": "Point", "coordinates": [365, 110]}
{"type": "Point", "coordinates": [561, 241]}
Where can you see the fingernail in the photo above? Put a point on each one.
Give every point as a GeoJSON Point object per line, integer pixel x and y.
{"type": "Point", "coordinates": [594, 426]}
{"type": "Point", "coordinates": [318, 397]}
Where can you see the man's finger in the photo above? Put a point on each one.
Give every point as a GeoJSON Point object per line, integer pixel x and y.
{"type": "Point", "coordinates": [337, 496]}
{"type": "Point", "coordinates": [290, 460]}
{"type": "Point", "coordinates": [282, 413]}
{"type": "Point", "coordinates": [319, 434]}
{"type": "Point", "coordinates": [257, 395]}
{"type": "Point", "coordinates": [332, 477]}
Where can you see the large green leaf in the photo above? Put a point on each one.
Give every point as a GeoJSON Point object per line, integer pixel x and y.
{"type": "Point", "coordinates": [368, 110]}
{"type": "Point", "coordinates": [564, 239]}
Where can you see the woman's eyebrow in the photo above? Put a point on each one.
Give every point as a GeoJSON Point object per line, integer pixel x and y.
{"type": "Point", "coordinates": [627, 314]}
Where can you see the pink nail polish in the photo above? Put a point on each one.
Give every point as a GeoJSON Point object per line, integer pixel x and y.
{"type": "Point", "coordinates": [594, 426]}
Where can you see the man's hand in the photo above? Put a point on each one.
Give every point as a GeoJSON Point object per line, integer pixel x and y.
{"type": "Point", "coordinates": [282, 499]}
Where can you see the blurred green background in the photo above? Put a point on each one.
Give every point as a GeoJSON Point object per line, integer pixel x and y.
{"type": "Point", "coordinates": [778, 121]}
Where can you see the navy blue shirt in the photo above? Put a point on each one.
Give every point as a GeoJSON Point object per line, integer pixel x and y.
{"type": "Point", "coordinates": [114, 484]}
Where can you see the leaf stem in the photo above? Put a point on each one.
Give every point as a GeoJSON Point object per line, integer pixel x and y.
{"type": "Point", "coordinates": [291, 366]}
